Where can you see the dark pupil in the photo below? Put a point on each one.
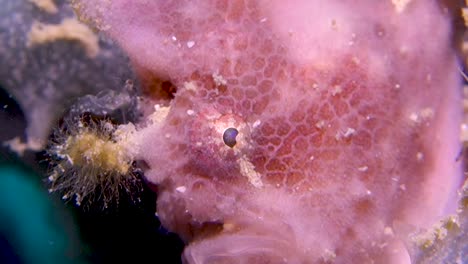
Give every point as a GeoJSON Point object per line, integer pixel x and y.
{"type": "Point", "coordinates": [229, 136]}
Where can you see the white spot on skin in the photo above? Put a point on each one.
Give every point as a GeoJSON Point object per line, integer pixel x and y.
{"type": "Point", "coordinates": [219, 79]}
{"type": "Point", "coordinates": [160, 113]}
{"type": "Point", "coordinates": [388, 231]}
{"type": "Point", "coordinates": [414, 117]}
{"type": "Point", "coordinates": [464, 133]}
{"type": "Point", "coordinates": [248, 170]}
{"type": "Point", "coordinates": [256, 123]}
{"type": "Point", "coordinates": [212, 115]}
{"type": "Point", "coordinates": [181, 189]}
{"type": "Point", "coordinates": [356, 60]}
{"type": "Point", "coordinates": [338, 136]}
{"type": "Point", "coordinates": [383, 245]}
{"type": "Point", "coordinates": [336, 90]}
{"type": "Point", "coordinates": [380, 33]}
{"type": "Point", "coordinates": [174, 38]}
{"type": "Point", "coordinates": [328, 255]}
{"type": "Point", "coordinates": [263, 20]}
{"type": "Point", "coordinates": [190, 112]}
{"type": "Point", "coordinates": [228, 226]}
{"type": "Point", "coordinates": [349, 132]}
{"type": "Point", "coordinates": [400, 5]}
{"type": "Point", "coordinates": [363, 168]}
{"type": "Point", "coordinates": [320, 124]}
{"type": "Point", "coordinates": [190, 44]}
{"type": "Point", "coordinates": [422, 116]}
{"type": "Point", "coordinates": [427, 113]}
{"type": "Point", "coordinates": [419, 156]}
{"type": "Point", "coordinates": [190, 86]}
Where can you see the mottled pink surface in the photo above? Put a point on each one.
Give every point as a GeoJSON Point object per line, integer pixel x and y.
{"type": "Point", "coordinates": [348, 115]}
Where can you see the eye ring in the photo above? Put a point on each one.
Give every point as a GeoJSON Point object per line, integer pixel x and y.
{"type": "Point", "coordinates": [229, 137]}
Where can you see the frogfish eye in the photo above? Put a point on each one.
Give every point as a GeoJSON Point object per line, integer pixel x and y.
{"type": "Point", "coordinates": [229, 136]}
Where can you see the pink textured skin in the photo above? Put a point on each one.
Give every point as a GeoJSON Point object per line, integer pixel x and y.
{"type": "Point", "coordinates": [348, 111]}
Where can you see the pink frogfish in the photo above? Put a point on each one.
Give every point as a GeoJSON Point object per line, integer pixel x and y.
{"type": "Point", "coordinates": [342, 117]}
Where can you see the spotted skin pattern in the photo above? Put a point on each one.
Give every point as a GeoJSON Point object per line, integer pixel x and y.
{"type": "Point", "coordinates": [347, 119]}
